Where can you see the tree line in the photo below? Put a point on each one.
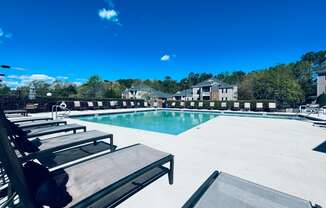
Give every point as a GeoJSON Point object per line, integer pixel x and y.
{"type": "Point", "coordinates": [288, 84]}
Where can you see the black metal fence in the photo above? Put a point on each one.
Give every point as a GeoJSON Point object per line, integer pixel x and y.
{"type": "Point", "coordinates": [44, 104]}
{"type": "Point", "coordinates": [264, 105]}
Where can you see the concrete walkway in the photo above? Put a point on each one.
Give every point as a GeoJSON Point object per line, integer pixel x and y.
{"type": "Point", "coordinates": [276, 153]}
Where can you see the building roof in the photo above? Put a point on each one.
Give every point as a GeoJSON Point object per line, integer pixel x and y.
{"type": "Point", "coordinates": [159, 94]}
{"type": "Point", "coordinates": [187, 92]}
{"type": "Point", "coordinates": [212, 82]}
{"type": "Point", "coordinates": [152, 92]}
{"type": "Point", "coordinates": [140, 87]}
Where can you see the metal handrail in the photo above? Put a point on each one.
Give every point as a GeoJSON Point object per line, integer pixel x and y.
{"type": "Point", "coordinates": [61, 107]}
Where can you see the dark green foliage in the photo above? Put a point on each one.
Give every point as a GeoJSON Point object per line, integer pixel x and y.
{"type": "Point", "coordinates": [4, 90]}
{"type": "Point", "coordinates": [321, 100]}
{"type": "Point", "coordinates": [288, 84]}
{"type": "Point", "coordinates": [315, 58]}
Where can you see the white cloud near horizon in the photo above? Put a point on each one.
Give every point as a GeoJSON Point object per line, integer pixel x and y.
{"type": "Point", "coordinates": [77, 83]}
{"type": "Point", "coordinates": [165, 57]}
{"type": "Point", "coordinates": [62, 77]}
{"type": "Point", "coordinates": [14, 81]}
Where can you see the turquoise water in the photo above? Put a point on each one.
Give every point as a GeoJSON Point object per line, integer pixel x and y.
{"type": "Point", "coordinates": [169, 122]}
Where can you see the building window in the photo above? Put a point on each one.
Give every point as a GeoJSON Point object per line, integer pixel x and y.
{"type": "Point", "coordinates": [222, 98]}
{"type": "Point", "coordinates": [226, 90]}
{"type": "Point", "coordinates": [226, 98]}
{"type": "Point", "coordinates": [222, 90]}
{"type": "Point", "coordinates": [206, 89]}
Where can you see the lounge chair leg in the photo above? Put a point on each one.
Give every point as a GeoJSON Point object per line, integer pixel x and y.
{"type": "Point", "coordinates": [170, 174]}
{"type": "Point", "coordinates": [2, 176]}
{"type": "Point", "coordinates": [111, 144]}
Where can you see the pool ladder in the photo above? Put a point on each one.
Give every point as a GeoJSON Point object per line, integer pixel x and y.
{"type": "Point", "coordinates": [55, 114]}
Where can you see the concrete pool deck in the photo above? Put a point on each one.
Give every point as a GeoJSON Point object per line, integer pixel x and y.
{"type": "Point", "coordinates": [277, 153]}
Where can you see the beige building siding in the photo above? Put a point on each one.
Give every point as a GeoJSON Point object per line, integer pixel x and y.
{"type": "Point", "coordinates": [229, 94]}
{"type": "Point", "coordinates": [321, 84]}
{"type": "Point", "coordinates": [138, 95]}
{"type": "Point", "coordinates": [195, 96]}
{"type": "Point", "coordinates": [217, 94]}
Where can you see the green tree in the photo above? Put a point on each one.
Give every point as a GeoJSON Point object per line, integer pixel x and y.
{"type": "Point", "coordinates": [277, 83]}
{"type": "Point", "coordinates": [314, 58]}
{"type": "Point", "coordinates": [321, 100]}
{"type": "Point", "coordinates": [245, 89]}
{"type": "Point", "coordinates": [41, 87]}
{"type": "Point", "coordinates": [4, 90]}
{"type": "Point", "coordinates": [22, 91]}
{"type": "Point", "coordinates": [64, 90]}
{"type": "Point", "coordinates": [93, 88]}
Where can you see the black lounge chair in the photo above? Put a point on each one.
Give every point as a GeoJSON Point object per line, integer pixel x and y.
{"type": "Point", "coordinates": [319, 123]}
{"type": "Point", "coordinates": [22, 112]}
{"type": "Point", "coordinates": [46, 150]}
{"type": "Point", "coordinates": [227, 191]}
{"type": "Point", "coordinates": [23, 119]}
{"type": "Point", "coordinates": [41, 131]}
{"type": "Point", "coordinates": [45, 147]}
{"type": "Point", "coordinates": [41, 124]}
{"type": "Point", "coordinates": [29, 119]}
{"type": "Point", "coordinates": [54, 129]}
{"type": "Point", "coordinates": [103, 181]}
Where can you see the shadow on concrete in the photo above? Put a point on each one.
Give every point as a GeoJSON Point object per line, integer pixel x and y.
{"type": "Point", "coordinates": [321, 147]}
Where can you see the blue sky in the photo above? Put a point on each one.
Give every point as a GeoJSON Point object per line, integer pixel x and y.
{"type": "Point", "coordinates": [74, 39]}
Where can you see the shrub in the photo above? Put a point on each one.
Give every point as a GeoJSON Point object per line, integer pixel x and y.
{"type": "Point", "coordinates": [321, 100]}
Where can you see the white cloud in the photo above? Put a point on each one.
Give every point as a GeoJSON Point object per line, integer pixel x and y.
{"type": "Point", "coordinates": [165, 57]}
{"type": "Point", "coordinates": [61, 77]}
{"type": "Point", "coordinates": [15, 81]}
{"type": "Point", "coordinates": [81, 79]}
{"type": "Point", "coordinates": [77, 83]}
{"type": "Point", "coordinates": [8, 35]}
{"type": "Point", "coordinates": [13, 77]}
{"type": "Point", "coordinates": [37, 77]}
{"type": "Point", "coordinates": [109, 13]}
{"type": "Point", "coordinates": [11, 83]}
{"type": "Point", "coordinates": [4, 35]}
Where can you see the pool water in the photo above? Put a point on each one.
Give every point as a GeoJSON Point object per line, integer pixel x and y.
{"type": "Point", "coordinates": [169, 122]}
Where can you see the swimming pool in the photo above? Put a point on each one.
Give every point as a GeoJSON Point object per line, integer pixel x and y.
{"type": "Point", "coordinates": [169, 122]}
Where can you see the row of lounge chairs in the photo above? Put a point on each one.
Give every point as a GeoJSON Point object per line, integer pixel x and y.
{"type": "Point", "coordinates": [224, 106]}
{"type": "Point", "coordinates": [107, 179]}
{"type": "Point", "coordinates": [93, 105]}
{"type": "Point", "coordinates": [104, 180]}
